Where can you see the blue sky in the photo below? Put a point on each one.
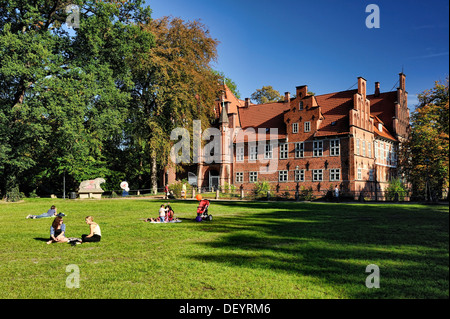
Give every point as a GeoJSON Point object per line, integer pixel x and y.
{"type": "Point", "coordinates": [323, 44]}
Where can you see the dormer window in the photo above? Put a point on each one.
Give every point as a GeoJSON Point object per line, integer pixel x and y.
{"type": "Point", "coordinates": [307, 127]}
{"type": "Point", "coordinates": [380, 127]}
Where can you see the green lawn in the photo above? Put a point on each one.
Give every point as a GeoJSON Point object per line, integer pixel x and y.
{"type": "Point", "coordinates": [250, 250]}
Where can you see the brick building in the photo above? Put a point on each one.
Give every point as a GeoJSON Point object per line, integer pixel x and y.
{"type": "Point", "coordinates": [349, 138]}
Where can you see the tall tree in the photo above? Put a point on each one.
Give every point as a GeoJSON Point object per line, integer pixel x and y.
{"type": "Point", "coordinates": [63, 93]}
{"type": "Point", "coordinates": [425, 155]}
{"type": "Point", "coordinates": [174, 86]}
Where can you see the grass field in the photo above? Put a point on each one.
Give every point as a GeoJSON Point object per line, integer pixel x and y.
{"type": "Point", "coordinates": [281, 250]}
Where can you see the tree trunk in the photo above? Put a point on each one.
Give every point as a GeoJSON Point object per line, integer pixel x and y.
{"type": "Point", "coordinates": [154, 177]}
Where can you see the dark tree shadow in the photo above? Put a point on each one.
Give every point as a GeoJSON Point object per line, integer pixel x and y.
{"type": "Point", "coordinates": [409, 245]}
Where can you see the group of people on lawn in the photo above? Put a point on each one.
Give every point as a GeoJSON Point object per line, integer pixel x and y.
{"type": "Point", "coordinates": [166, 215]}
{"type": "Point", "coordinates": [58, 228]}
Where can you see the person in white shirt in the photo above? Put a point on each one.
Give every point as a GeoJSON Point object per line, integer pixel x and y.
{"type": "Point", "coordinates": [162, 213]}
{"type": "Point", "coordinates": [95, 234]}
{"type": "Point", "coordinates": [336, 194]}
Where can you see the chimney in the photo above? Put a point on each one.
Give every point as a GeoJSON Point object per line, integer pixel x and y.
{"type": "Point", "coordinates": [247, 102]}
{"type": "Point", "coordinates": [302, 91]}
{"type": "Point", "coordinates": [287, 97]}
{"type": "Point", "coordinates": [377, 88]}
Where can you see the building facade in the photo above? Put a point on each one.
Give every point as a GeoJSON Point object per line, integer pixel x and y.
{"type": "Point", "coordinates": [350, 139]}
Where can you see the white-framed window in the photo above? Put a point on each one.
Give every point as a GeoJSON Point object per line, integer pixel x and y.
{"type": "Point", "coordinates": [375, 147]}
{"type": "Point", "coordinates": [283, 176]}
{"type": "Point", "coordinates": [359, 174]}
{"type": "Point", "coordinates": [239, 177]}
{"type": "Point", "coordinates": [381, 153]}
{"type": "Point", "coordinates": [300, 106]}
{"type": "Point", "coordinates": [386, 153]}
{"type": "Point", "coordinates": [240, 154]}
{"type": "Point", "coordinates": [371, 175]}
{"type": "Point", "coordinates": [253, 177]}
{"type": "Point", "coordinates": [357, 147]}
{"type": "Point", "coordinates": [307, 127]}
{"type": "Point", "coordinates": [369, 149]}
{"type": "Point", "coordinates": [363, 148]}
{"type": "Point", "coordinates": [299, 150]}
{"type": "Point", "coordinates": [299, 175]}
{"type": "Point", "coordinates": [318, 148]}
{"type": "Point", "coordinates": [284, 150]}
{"type": "Point", "coordinates": [335, 174]}
{"type": "Point", "coordinates": [294, 128]}
{"type": "Point", "coordinates": [335, 147]}
{"type": "Point", "coordinates": [394, 157]}
{"type": "Point", "coordinates": [268, 151]}
{"type": "Point", "coordinates": [317, 175]}
{"type": "Point", "coordinates": [253, 153]}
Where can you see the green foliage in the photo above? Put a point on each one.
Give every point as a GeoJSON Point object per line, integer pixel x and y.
{"type": "Point", "coordinates": [229, 83]}
{"type": "Point", "coordinates": [396, 190]}
{"type": "Point", "coordinates": [266, 95]}
{"type": "Point", "coordinates": [424, 157]}
{"type": "Point", "coordinates": [306, 194]}
{"type": "Point", "coordinates": [261, 188]}
{"type": "Point", "coordinates": [229, 188]}
{"type": "Point", "coordinates": [177, 187]}
{"type": "Point", "coordinates": [14, 195]}
{"type": "Point", "coordinates": [64, 97]}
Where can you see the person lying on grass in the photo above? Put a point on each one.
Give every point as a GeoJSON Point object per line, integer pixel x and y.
{"type": "Point", "coordinates": [95, 234]}
{"type": "Point", "coordinates": [158, 220]}
{"type": "Point", "coordinates": [57, 231]}
{"type": "Point", "coordinates": [50, 213]}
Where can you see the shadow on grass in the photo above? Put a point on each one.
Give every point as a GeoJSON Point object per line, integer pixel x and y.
{"type": "Point", "coordinates": [335, 243]}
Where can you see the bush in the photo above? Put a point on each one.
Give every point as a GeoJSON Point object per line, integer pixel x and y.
{"type": "Point", "coordinates": [286, 194]}
{"type": "Point", "coordinates": [306, 193]}
{"type": "Point", "coordinates": [229, 188]}
{"type": "Point", "coordinates": [33, 194]}
{"type": "Point", "coordinates": [261, 188]}
{"type": "Point", "coordinates": [14, 195]}
{"type": "Point", "coordinates": [396, 187]}
{"type": "Point", "coordinates": [177, 186]}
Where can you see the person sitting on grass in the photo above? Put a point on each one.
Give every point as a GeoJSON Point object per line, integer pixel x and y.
{"type": "Point", "coordinates": [50, 213]}
{"type": "Point", "coordinates": [162, 213]}
{"type": "Point", "coordinates": [57, 231]}
{"type": "Point", "coordinates": [95, 234]}
{"type": "Point", "coordinates": [169, 213]}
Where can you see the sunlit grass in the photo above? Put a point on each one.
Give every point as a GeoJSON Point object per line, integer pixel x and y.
{"type": "Point", "coordinates": [250, 250]}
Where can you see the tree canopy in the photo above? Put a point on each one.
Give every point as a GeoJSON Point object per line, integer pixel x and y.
{"type": "Point", "coordinates": [425, 155]}
{"type": "Point", "coordinates": [266, 94]}
{"type": "Point", "coordinates": [97, 100]}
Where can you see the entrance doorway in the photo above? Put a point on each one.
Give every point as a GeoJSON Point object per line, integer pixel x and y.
{"type": "Point", "coordinates": [213, 180]}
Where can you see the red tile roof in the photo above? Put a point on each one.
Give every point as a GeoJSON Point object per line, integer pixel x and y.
{"type": "Point", "coordinates": [269, 115]}
{"type": "Point", "coordinates": [382, 106]}
{"type": "Point", "coordinates": [335, 108]}
{"type": "Point", "coordinates": [384, 133]}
